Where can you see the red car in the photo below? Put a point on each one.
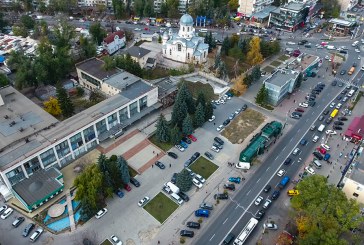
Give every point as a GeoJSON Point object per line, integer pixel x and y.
{"type": "Point", "coordinates": [321, 150]}
{"type": "Point", "coordinates": [300, 110]}
{"type": "Point", "coordinates": [127, 187]}
{"type": "Point", "coordinates": [191, 137]}
{"type": "Point", "coordinates": [146, 28]}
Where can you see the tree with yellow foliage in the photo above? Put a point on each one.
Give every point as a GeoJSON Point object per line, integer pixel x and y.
{"type": "Point", "coordinates": [254, 56]}
{"type": "Point", "coordinates": [239, 86]}
{"type": "Point", "coordinates": [52, 107]}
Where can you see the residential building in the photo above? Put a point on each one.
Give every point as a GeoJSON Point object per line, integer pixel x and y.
{"type": "Point", "coordinates": [92, 3]}
{"type": "Point", "coordinates": [139, 55]}
{"type": "Point", "coordinates": [289, 17]}
{"type": "Point", "coordinates": [340, 27]}
{"type": "Point", "coordinates": [32, 140]}
{"type": "Point", "coordinates": [249, 7]}
{"type": "Point", "coordinates": [279, 84]}
{"type": "Point", "coordinates": [347, 5]}
{"type": "Point", "coordinates": [184, 46]}
{"type": "Point", "coordinates": [114, 41]}
{"type": "Point", "coordinates": [183, 4]}
{"type": "Point", "coordinates": [354, 182]}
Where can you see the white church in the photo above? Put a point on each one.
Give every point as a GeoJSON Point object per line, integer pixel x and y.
{"type": "Point", "coordinates": [185, 46]}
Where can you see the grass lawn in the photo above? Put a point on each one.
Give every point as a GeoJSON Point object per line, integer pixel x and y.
{"type": "Point", "coordinates": [268, 69]}
{"type": "Point", "coordinates": [164, 146]}
{"type": "Point", "coordinates": [243, 125]}
{"type": "Point", "coordinates": [283, 57]}
{"type": "Point", "coordinates": [156, 73]}
{"type": "Point", "coordinates": [198, 87]}
{"type": "Point", "coordinates": [275, 63]}
{"type": "Point", "coordinates": [203, 167]}
{"type": "Point", "coordinates": [161, 207]}
{"type": "Point", "coordinates": [106, 242]}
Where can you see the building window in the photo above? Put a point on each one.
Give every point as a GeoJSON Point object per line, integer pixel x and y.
{"type": "Point", "coordinates": [183, 28]}
{"type": "Point", "coordinates": [76, 141]}
{"type": "Point", "coordinates": [112, 119]}
{"type": "Point", "coordinates": [165, 51]}
{"type": "Point", "coordinates": [143, 103]}
{"type": "Point", "coordinates": [15, 175]}
{"type": "Point", "coordinates": [179, 47]}
{"type": "Point", "coordinates": [123, 113]}
{"type": "Point", "coordinates": [188, 56]}
{"type": "Point", "coordinates": [188, 28]}
{"type": "Point", "coordinates": [90, 79]}
{"type": "Point", "coordinates": [355, 194]}
{"type": "Point", "coordinates": [101, 127]}
{"type": "Point", "coordinates": [133, 108]}
{"type": "Point", "coordinates": [204, 54]}
{"type": "Point", "coordinates": [32, 166]}
{"type": "Point", "coordinates": [48, 157]}
{"type": "Point", "coordinates": [89, 134]}
{"type": "Point", "coordinates": [170, 51]}
{"type": "Point", "coordinates": [62, 149]}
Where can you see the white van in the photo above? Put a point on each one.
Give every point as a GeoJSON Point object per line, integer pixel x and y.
{"type": "Point", "coordinates": [177, 198]}
{"type": "Point", "coordinates": [321, 128]}
{"type": "Point", "coordinates": [317, 164]}
{"type": "Point", "coordinates": [351, 92]}
{"type": "Point", "coordinates": [355, 43]}
{"type": "Point", "coordinates": [315, 138]}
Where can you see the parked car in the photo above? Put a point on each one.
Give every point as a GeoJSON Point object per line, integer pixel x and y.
{"type": "Point", "coordinates": [197, 183]}
{"type": "Point", "coordinates": [188, 163]}
{"type": "Point", "coordinates": [215, 149]}
{"type": "Point", "coordinates": [342, 118]}
{"type": "Point", "coordinates": [270, 226]}
{"type": "Point", "coordinates": [259, 214]}
{"type": "Point", "coordinates": [144, 201]}
{"type": "Point", "coordinates": [235, 180]}
{"type": "Point", "coordinates": [318, 155]}
{"type": "Point", "coordinates": [28, 229]}
{"type": "Point", "coordinates": [119, 193]}
{"type": "Point", "coordinates": [209, 155]}
{"type": "Point", "coordinates": [310, 170]}
{"type": "Point", "coordinates": [206, 206]}
{"type": "Point", "coordinates": [180, 148]}
{"type": "Point", "coordinates": [338, 123]}
{"type": "Point", "coordinates": [192, 137]}
{"type": "Point", "coordinates": [221, 196]}
{"type": "Point", "coordinates": [337, 128]}
{"type": "Point", "coordinates": [7, 213]}
{"type": "Point", "coordinates": [183, 144]}
{"type": "Point", "coordinates": [134, 182]}
{"type": "Point", "coordinates": [332, 132]}
{"type": "Point", "coordinates": [287, 161]}
{"type": "Point", "coordinates": [18, 221]}
{"type": "Point", "coordinates": [186, 140]}
{"type": "Point", "coordinates": [101, 213]}
{"type": "Point", "coordinates": [275, 195]}
{"type": "Point", "coordinates": [187, 233]}
{"type": "Point", "coordinates": [299, 110]}
{"type": "Point", "coordinates": [160, 165]}
{"type": "Point", "coordinates": [281, 172]}
{"type": "Point", "coordinates": [212, 118]}
{"type": "Point", "coordinates": [219, 141]}
{"type": "Point", "coordinates": [127, 187]}
{"type": "Point", "coordinates": [172, 154]}
{"type": "Point", "coordinates": [219, 128]}
{"type": "Point", "coordinates": [258, 200]}
{"type": "Point", "coordinates": [184, 196]}
{"type": "Point", "coordinates": [36, 234]}
{"type": "Point", "coordinates": [267, 203]}
{"type": "Point", "coordinates": [3, 208]}
{"type": "Point", "coordinates": [174, 178]}
{"type": "Point", "coordinates": [267, 188]}
{"type": "Point", "coordinates": [116, 240]}
{"type": "Point", "coordinates": [229, 187]}
{"type": "Point", "coordinates": [229, 238]}
{"type": "Point", "coordinates": [220, 147]}
{"type": "Point", "coordinates": [194, 225]}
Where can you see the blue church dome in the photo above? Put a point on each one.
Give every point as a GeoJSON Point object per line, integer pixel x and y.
{"type": "Point", "coordinates": [186, 20]}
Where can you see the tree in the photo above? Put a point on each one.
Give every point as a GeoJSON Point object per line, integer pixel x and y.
{"type": "Point", "coordinates": [186, 96]}
{"type": "Point", "coordinates": [299, 80]}
{"type": "Point", "coordinates": [323, 212]}
{"type": "Point", "coordinates": [97, 32]}
{"type": "Point", "coordinates": [199, 118]}
{"type": "Point", "coordinates": [3, 22]}
{"type": "Point", "coordinates": [27, 22]}
{"type": "Point", "coordinates": [172, 7]}
{"type": "Point", "coordinates": [201, 99]}
{"type": "Point", "coordinates": [187, 126]}
{"type": "Point", "coordinates": [3, 80]}
{"type": "Point", "coordinates": [89, 191]}
{"type": "Point", "coordinates": [175, 135]}
{"type": "Point", "coordinates": [109, 63]}
{"type": "Point", "coordinates": [148, 10]}
{"type": "Point", "coordinates": [217, 60]}
{"type": "Point", "coordinates": [222, 70]}
{"type": "Point", "coordinates": [256, 73]}
{"type": "Point", "coordinates": [236, 52]}
{"type": "Point", "coordinates": [225, 46]}
{"type": "Point", "coordinates": [159, 39]}
{"type": "Point", "coordinates": [184, 180]}
{"type": "Point", "coordinates": [64, 101]}
{"type": "Point", "coordinates": [239, 87]}
{"type": "Point", "coordinates": [209, 111]}
{"type": "Point", "coordinates": [52, 107]}
{"type": "Point", "coordinates": [233, 4]}
{"type": "Point", "coordinates": [20, 31]}
{"type": "Point", "coordinates": [262, 96]}
{"type": "Point", "coordinates": [124, 174]}
{"type": "Point", "coordinates": [88, 48]}
{"type": "Point", "coordinates": [126, 63]}
{"type": "Point", "coordinates": [119, 8]}
{"type": "Point", "coordinates": [254, 56]}
{"type": "Point", "coordinates": [162, 132]}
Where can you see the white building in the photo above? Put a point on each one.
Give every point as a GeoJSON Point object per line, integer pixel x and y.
{"type": "Point", "coordinates": [347, 4]}
{"type": "Point", "coordinates": [114, 41]}
{"type": "Point", "coordinates": [185, 46]}
{"type": "Point", "coordinates": [91, 3]}
{"type": "Point", "coordinates": [250, 7]}
{"type": "Point", "coordinates": [182, 7]}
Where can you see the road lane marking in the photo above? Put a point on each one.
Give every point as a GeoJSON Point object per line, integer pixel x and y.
{"type": "Point", "coordinates": [225, 220]}
{"type": "Point", "coordinates": [298, 130]}
{"type": "Point", "coordinates": [276, 158]}
{"type": "Point", "coordinates": [248, 192]}
{"type": "Point", "coordinates": [267, 169]}
{"type": "Point", "coordinates": [212, 237]}
{"type": "Point", "coordinates": [258, 180]}
{"type": "Point", "coordinates": [284, 148]}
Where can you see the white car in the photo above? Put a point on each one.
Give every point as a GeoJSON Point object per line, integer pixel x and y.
{"type": "Point", "coordinates": [326, 147]}
{"type": "Point", "coordinates": [212, 118]}
{"type": "Point", "coordinates": [219, 128]}
{"type": "Point", "coordinates": [7, 213]}
{"type": "Point", "coordinates": [310, 170]}
{"type": "Point", "coordinates": [281, 172]}
{"type": "Point", "coordinates": [179, 147]}
{"type": "Point", "coordinates": [332, 105]}
{"type": "Point", "coordinates": [222, 101]}
{"type": "Point", "coordinates": [215, 149]}
{"type": "Point", "coordinates": [357, 50]}
{"type": "Point", "coordinates": [270, 226]}
{"type": "Point", "coordinates": [359, 57]}
{"type": "Point", "coordinates": [137, 29]}
{"type": "Point", "coordinates": [327, 57]}
{"type": "Point", "coordinates": [304, 105]}
{"type": "Point", "coordinates": [338, 106]}
{"type": "Point", "coordinates": [144, 201]}
{"type": "Point", "coordinates": [267, 203]}
{"type": "Point", "coordinates": [258, 200]}
{"type": "Point", "coordinates": [197, 183]}
{"type": "Point", "coordinates": [101, 213]}
{"type": "Point", "coordinates": [3, 208]}
{"type": "Point", "coordinates": [200, 178]}
{"type": "Point", "coordinates": [332, 132]}
{"type": "Point", "coordinates": [116, 240]}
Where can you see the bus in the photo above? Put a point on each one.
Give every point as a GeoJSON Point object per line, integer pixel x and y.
{"type": "Point", "coordinates": [334, 113]}
{"type": "Point", "coordinates": [351, 71]}
{"type": "Point", "coordinates": [244, 234]}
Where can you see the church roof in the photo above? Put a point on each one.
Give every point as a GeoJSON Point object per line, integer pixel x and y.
{"type": "Point", "coordinates": [186, 20]}
{"type": "Point", "coordinates": [197, 53]}
{"type": "Point", "coordinates": [202, 46]}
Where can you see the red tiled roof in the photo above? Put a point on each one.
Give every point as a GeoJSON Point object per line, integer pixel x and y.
{"type": "Point", "coordinates": [110, 38]}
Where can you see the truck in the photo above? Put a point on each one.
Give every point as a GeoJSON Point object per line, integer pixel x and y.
{"type": "Point", "coordinates": [283, 182]}
{"type": "Point", "coordinates": [172, 187]}
{"type": "Point", "coordinates": [321, 128]}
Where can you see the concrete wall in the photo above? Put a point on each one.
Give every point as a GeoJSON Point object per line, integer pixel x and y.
{"type": "Point", "coordinates": [352, 187]}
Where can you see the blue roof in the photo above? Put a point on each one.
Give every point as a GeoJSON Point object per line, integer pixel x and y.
{"type": "Point", "coordinates": [186, 20]}
{"type": "Point", "coordinates": [2, 58]}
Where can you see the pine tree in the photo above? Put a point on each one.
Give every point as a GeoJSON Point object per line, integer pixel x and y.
{"type": "Point", "coordinates": [162, 132]}
{"type": "Point", "coordinates": [225, 46]}
{"type": "Point", "coordinates": [175, 135]}
{"type": "Point", "coordinates": [124, 170]}
{"type": "Point", "coordinates": [209, 111]}
{"type": "Point", "coordinates": [256, 73]}
{"type": "Point", "coordinates": [179, 112]}
{"type": "Point", "coordinates": [201, 99]}
{"type": "Point", "coordinates": [199, 118]}
{"type": "Point", "coordinates": [299, 80]}
{"type": "Point", "coordinates": [262, 95]}
{"type": "Point", "coordinates": [187, 97]}
{"type": "Point", "coordinates": [184, 180]}
{"type": "Point", "coordinates": [187, 126]}
{"type": "Point", "coordinates": [64, 101]}
{"type": "Point", "coordinates": [217, 60]}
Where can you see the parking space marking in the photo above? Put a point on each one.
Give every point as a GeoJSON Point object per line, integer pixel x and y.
{"type": "Point", "coordinates": [293, 162]}
{"type": "Point", "coordinates": [267, 169]}
{"type": "Point", "coordinates": [258, 180]}
{"type": "Point", "coordinates": [284, 148]}
{"type": "Point", "coordinates": [212, 237]}
{"type": "Point", "coordinates": [276, 158]}
{"type": "Point", "coordinates": [248, 192]}
{"type": "Point", "coordinates": [298, 130]}
{"type": "Point", "coordinates": [225, 221]}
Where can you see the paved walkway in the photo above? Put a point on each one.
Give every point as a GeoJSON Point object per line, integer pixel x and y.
{"type": "Point", "coordinates": [70, 210]}
{"type": "Point", "coordinates": [105, 149]}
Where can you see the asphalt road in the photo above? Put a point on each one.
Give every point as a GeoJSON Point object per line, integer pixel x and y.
{"type": "Point", "coordinates": [241, 208]}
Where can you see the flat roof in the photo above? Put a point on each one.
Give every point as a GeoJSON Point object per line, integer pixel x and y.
{"type": "Point", "coordinates": [20, 117]}
{"type": "Point", "coordinates": [341, 22]}
{"type": "Point", "coordinates": [281, 77]}
{"type": "Point", "coordinates": [293, 6]}
{"type": "Point", "coordinates": [94, 67]}
{"type": "Point", "coordinates": [165, 85]}
{"type": "Point", "coordinates": [357, 173]}
{"type": "Point", "coordinates": [264, 13]}
{"type": "Point", "coordinates": [38, 186]}
{"type": "Point", "coordinates": [122, 80]}
{"type": "Point", "coordinates": [136, 89]}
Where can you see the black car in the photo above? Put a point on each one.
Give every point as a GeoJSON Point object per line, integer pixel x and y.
{"type": "Point", "coordinates": [134, 182]}
{"type": "Point", "coordinates": [337, 128]}
{"type": "Point", "coordinates": [194, 225]}
{"type": "Point", "coordinates": [275, 194]}
{"type": "Point", "coordinates": [342, 72]}
{"type": "Point", "coordinates": [259, 214]}
{"type": "Point", "coordinates": [221, 196]}
{"type": "Point", "coordinates": [196, 155]}
{"type": "Point", "coordinates": [172, 154]}
{"type": "Point", "coordinates": [174, 178]}
{"type": "Point", "coordinates": [315, 92]}
{"type": "Point", "coordinates": [229, 238]}
{"type": "Point", "coordinates": [229, 187]}
{"type": "Point", "coordinates": [188, 163]}
{"type": "Point", "coordinates": [326, 112]}
{"type": "Point", "coordinates": [333, 83]}
{"type": "Point", "coordinates": [297, 113]}
{"type": "Point", "coordinates": [342, 118]}
{"type": "Point", "coordinates": [226, 122]}
{"type": "Point", "coordinates": [219, 141]}
{"type": "Point", "coordinates": [183, 196]}
{"type": "Point", "coordinates": [287, 161]}
{"type": "Point", "coordinates": [329, 120]}
{"type": "Point", "coordinates": [18, 221]}
{"type": "Point", "coordinates": [209, 155]}
{"type": "Point", "coordinates": [243, 108]}
{"type": "Point", "coordinates": [318, 155]}
{"type": "Point", "coordinates": [312, 103]}
{"type": "Point", "coordinates": [341, 84]}
{"type": "Point", "coordinates": [187, 140]}
{"type": "Point", "coordinates": [338, 123]}
{"type": "Point", "coordinates": [354, 64]}
{"type": "Point", "coordinates": [217, 145]}
{"type": "Point", "coordinates": [344, 91]}
{"type": "Point", "coordinates": [339, 97]}
{"type": "Point", "coordinates": [28, 229]}
{"type": "Point", "coordinates": [267, 188]}
{"type": "Point", "coordinates": [187, 233]}
{"type": "Point", "coordinates": [310, 99]}
{"type": "Point", "coordinates": [160, 165]}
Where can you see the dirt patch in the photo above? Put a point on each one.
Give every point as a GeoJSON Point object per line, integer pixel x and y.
{"type": "Point", "coordinates": [243, 125]}
{"type": "Point", "coordinates": [147, 235]}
